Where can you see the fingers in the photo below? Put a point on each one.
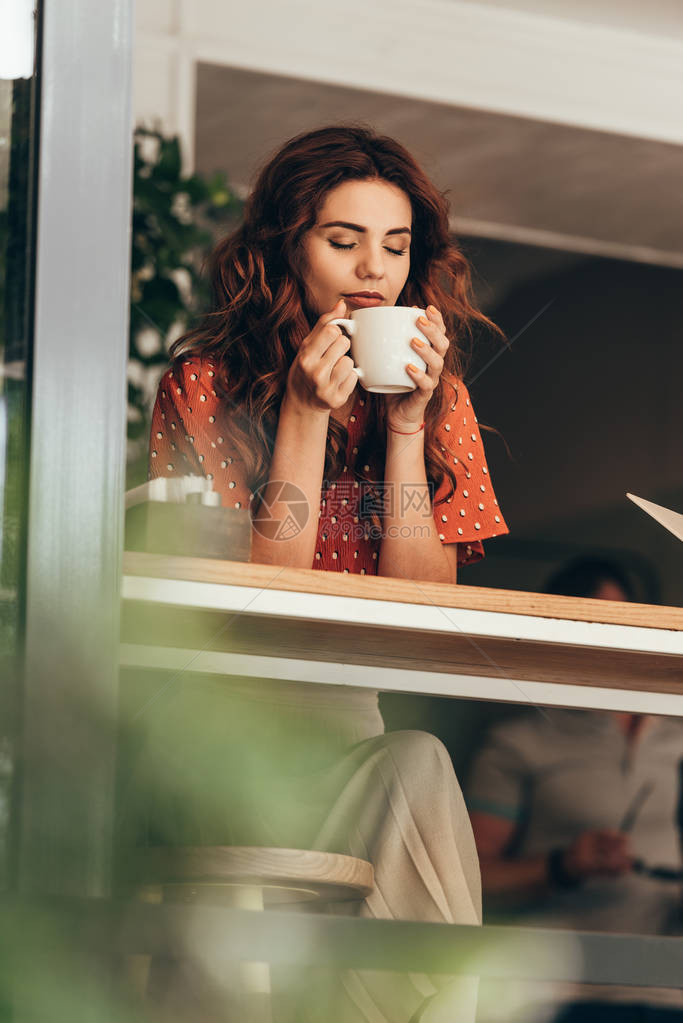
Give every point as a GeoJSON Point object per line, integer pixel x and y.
{"type": "Point", "coordinates": [334, 314]}
{"type": "Point", "coordinates": [434, 329]}
{"type": "Point", "coordinates": [332, 377]}
{"type": "Point", "coordinates": [425, 385]}
{"type": "Point", "coordinates": [309, 379]}
{"type": "Point", "coordinates": [344, 377]}
{"type": "Point", "coordinates": [435, 316]}
{"type": "Point", "coordinates": [325, 332]}
{"type": "Point", "coordinates": [326, 344]}
{"type": "Point", "coordinates": [428, 378]}
{"type": "Point", "coordinates": [431, 357]}
{"type": "Point", "coordinates": [423, 381]}
{"type": "Point", "coordinates": [339, 346]}
{"type": "Point", "coordinates": [318, 365]}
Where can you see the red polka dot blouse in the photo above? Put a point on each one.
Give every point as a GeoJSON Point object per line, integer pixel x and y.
{"type": "Point", "coordinates": [191, 436]}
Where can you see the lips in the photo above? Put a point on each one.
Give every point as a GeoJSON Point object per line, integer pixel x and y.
{"type": "Point", "coordinates": [364, 299]}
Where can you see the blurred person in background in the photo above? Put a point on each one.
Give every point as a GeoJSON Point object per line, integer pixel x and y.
{"type": "Point", "coordinates": [571, 810]}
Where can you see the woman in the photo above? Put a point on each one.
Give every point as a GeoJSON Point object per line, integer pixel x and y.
{"type": "Point", "coordinates": [264, 391]}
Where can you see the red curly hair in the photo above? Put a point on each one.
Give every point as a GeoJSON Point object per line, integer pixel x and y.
{"type": "Point", "coordinates": [259, 315]}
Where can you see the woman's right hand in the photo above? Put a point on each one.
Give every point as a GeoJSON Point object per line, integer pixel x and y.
{"type": "Point", "coordinates": [322, 376]}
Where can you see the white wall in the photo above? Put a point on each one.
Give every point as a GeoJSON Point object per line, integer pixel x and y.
{"type": "Point", "coordinates": [657, 17]}
{"type": "Point", "coordinates": [562, 69]}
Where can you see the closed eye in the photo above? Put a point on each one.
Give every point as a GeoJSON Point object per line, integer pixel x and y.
{"type": "Point", "coordinates": [351, 245]}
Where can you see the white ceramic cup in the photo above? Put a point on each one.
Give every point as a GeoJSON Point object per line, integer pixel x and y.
{"type": "Point", "coordinates": [380, 346]}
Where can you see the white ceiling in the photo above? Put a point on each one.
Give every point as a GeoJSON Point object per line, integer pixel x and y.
{"type": "Point", "coordinates": [610, 67]}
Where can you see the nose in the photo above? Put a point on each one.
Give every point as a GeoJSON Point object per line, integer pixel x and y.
{"type": "Point", "coordinates": [371, 262]}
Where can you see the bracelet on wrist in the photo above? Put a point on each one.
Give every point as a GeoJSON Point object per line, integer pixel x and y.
{"type": "Point", "coordinates": [406, 433]}
{"type": "Point", "coordinates": [558, 875]}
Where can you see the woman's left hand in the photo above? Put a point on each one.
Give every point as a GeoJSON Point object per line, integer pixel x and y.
{"type": "Point", "coordinates": [405, 412]}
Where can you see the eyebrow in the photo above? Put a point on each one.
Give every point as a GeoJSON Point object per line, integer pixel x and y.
{"type": "Point", "coordinates": [361, 229]}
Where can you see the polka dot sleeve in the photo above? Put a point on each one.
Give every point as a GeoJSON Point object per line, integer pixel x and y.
{"type": "Point", "coordinates": [191, 433]}
{"type": "Point", "coordinates": [472, 514]}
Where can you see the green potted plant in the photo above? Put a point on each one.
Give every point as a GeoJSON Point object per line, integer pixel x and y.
{"type": "Point", "coordinates": [176, 218]}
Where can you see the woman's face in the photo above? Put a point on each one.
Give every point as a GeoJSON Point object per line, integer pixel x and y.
{"type": "Point", "coordinates": [359, 249]}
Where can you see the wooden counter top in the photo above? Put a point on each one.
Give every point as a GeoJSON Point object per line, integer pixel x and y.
{"type": "Point", "coordinates": [393, 634]}
{"type": "Point", "coordinates": [475, 598]}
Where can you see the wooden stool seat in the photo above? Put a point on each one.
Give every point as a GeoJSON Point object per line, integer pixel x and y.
{"type": "Point", "coordinates": [235, 874]}
{"type": "Point", "coordinates": [243, 877]}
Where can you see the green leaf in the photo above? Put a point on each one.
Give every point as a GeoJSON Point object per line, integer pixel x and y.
{"type": "Point", "coordinates": [138, 429]}
{"type": "Point", "coordinates": [169, 162]}
{"type": "Point", "coordinates": [197, 189]}
{"type": "Point", "coordinates": [134, 393]}
{"type": "Point", "coordinates": [162, 243]}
